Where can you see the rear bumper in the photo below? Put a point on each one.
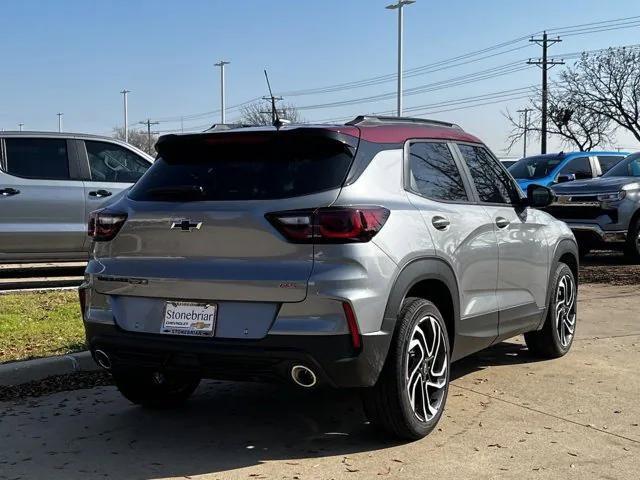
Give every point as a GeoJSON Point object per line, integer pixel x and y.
{"type": "Point", "coordinates": [332, 357]}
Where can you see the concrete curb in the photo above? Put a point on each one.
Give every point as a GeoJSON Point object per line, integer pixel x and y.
{"type": "Point", "coordinates": [26, 371]}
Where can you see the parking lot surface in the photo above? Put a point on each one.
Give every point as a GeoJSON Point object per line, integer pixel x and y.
{"type": "Point", "coordinates": [508, 416]}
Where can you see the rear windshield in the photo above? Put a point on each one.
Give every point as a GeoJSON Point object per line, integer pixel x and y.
{"type": "Point", "coordinates": [245, 167]}
{"type": "Point", "coordinates": [531, 168]}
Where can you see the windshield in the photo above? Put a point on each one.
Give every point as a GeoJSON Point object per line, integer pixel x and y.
{"type": "Point", "coordinates": [630, 167]}
{"type": "Point", "coordinates": [531, 168]}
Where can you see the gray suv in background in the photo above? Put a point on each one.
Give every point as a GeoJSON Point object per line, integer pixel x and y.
{"type": "Point", "coordinates": [369, 255]}
{"type": "Point", "coordinates": [50, 182]}
{"type": "Point", "coordinates": [604, 212]}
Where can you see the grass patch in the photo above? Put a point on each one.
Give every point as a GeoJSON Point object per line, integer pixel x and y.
{"type": "Point", "coordinates": [40, 324]}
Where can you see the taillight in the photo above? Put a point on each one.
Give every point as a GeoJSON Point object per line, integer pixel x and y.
{"type": "Point", "coordinates": [330, 224]}
{"type": "Point", "coordinates": [104, 225]}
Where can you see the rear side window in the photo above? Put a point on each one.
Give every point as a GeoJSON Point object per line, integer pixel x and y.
{"type": "Point", "coordinates": [37, 158]}
{"type": "Point", "coordinates": [433, 172]}
{"type": "Point", "coordinates": [630, 167]}
{"type": "Point", "coordinates": [493, 183]}
{"type": "Point", "coordinates": [109, 162]}
{"type": "Point", "coordinates": [580, 167]}
{"type": "Point", "coordinates": [245, 167]}
{"type": "Point", "coordinates": [607, 162]}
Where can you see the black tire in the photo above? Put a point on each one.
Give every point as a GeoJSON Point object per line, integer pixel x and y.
{"type": "Point", "coordinates": [632, 246]}
{"type": "Point", "coordinates": [387, 404]}
{"type": "Point", "coordinates": [554, 341]}
{"type": "Point", "coordinates": [142, 389]}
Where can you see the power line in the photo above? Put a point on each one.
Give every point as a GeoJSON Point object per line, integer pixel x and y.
{"type": "Point", "coordinates": [441, 84]}
{"type": "Point", "coordinates": [558, 30]}
{"type": "Point", "coordinates": [429, 68]}
{"type": "Point", "coordinates": [414, 72]}
{"type": "Point", "coordinates": [502, 95]}
{"type": "Point", "coordinates": [453, 62]}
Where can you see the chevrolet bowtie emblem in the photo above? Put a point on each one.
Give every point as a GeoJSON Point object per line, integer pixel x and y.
{"type": "Point", "coordinates": [185, 225]}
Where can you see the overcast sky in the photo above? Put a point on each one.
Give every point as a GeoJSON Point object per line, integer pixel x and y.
{"type": "Point", "coordinates": [76, 56]}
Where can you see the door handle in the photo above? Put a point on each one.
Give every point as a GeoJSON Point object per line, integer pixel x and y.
{"type": "Point", "coordinates": [502, 222]}
{"type": "Point", "coordinates": [100, 193]}
{"type": "Point", "coordinates": [440, 223]}
{"type": "Point", "coordinates": [7, 192]}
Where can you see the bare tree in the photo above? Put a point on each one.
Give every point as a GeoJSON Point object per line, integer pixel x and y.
{"type": "Point", "coordinates": [137, 138]}
{"type": "Point", "coordinates": [569, 120]}
{"type": "Point", "coordinates": [608, 84]}
{"type": "Point", "coordinates": [259, 113]}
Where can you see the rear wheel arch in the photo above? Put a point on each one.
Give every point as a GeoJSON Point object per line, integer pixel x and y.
{"type": "Point", "coordinates": [429, 278]}
{"type": "Point", "coordinates": [566, 252]}
{"type": "Point", "coordinates": [634, 218]}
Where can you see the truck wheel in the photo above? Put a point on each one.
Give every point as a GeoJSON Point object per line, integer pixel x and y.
{"type": "Point", "coordinates": [556, 336]}
{"type": "Point", "coordinates": [155, 390]}
{"type": "Point", "coordinates": [632, 247]}
{"type": "Point", "coordinates": [410, 395]}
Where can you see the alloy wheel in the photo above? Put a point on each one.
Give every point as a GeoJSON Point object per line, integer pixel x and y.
{"type": "Point", "coordinates": [565, 310]}
{"type": "Point", "coordinates": [426, 371]}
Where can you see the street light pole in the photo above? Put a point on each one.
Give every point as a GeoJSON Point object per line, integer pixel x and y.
{"type": "Point", "coordinates": [399, 6]}
{"type": "Point", "coordinates": [126, 115]}
{"type": "Point", "coordinates": [221, 64]}
{"type": "Point", "coordinates": [60, 114]}
{"type": "Point", "coordinates": [525, 112]}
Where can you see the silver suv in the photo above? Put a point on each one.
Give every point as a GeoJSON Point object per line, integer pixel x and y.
{"type": "Point", "coordinates": [50, 182]}
{"type": "Point", "coordinates": [371, 255]}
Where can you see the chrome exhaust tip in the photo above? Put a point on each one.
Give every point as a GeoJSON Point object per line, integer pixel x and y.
{"type": "Point", "coordinates": [102, 359]}
{"type": "Point", "coordinates": [303, 376]}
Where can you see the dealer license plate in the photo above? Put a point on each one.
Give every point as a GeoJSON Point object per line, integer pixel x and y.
{"type": "Point", "coordinates": [186, 318]}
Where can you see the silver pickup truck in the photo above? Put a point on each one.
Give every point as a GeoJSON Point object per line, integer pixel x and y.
{"type": "Point", "coordinates": [604, 212]}
{"type": "Point", "coordinates": [50, 182]}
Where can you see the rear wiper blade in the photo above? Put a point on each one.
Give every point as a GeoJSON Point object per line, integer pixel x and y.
{"type": "Point", "coordinates": [177, 191]}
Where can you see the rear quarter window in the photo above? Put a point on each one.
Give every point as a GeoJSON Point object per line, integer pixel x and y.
{"type": "Point", "coordinates": [607, 162]}
{"type": "Point", "coordinates": [241, 167]}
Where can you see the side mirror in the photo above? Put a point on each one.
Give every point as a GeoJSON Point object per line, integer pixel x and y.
{"type": "Point", "coordinates": [566, 177]}
{"type": "Point", "coordinates": [539, 196]}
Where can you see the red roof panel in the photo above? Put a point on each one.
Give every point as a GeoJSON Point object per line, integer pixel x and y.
{"type": "Point", "coordinates": [401, 132]}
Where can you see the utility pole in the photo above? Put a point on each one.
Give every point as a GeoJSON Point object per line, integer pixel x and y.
{"type": "Point", "coordinates": [221, 64]}
{"type": "Point", "coordinates": [20, 125]}
{"type": "Point", "coordinates": [273, 110]}
{"type": "Point", "coordinates": [148, 123]}
{"type": "Point", "coordinates": [545, 63]}
{"type": "Point", "coordinates": [525, 112]}
{"type": "Point", "coordinates": [399, 6]}
{"type": "Point", "coordinates": [126, 115]}
{"type": "Point", "coordinates": [60, 114]}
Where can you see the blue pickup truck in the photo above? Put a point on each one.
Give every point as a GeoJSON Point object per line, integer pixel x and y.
{"type": "Point", "coordinates": [553, 168]}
